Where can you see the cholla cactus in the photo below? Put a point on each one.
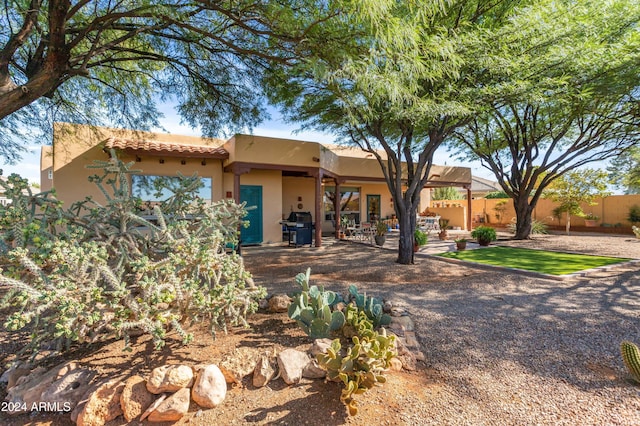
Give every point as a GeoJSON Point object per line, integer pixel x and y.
{"type": "Point", "coordinates": [95, 271]}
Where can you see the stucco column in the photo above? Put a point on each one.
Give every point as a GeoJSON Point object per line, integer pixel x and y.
{"type": "Point", "coordinates": [469, 212]}
{"type": "Point", "coordinates": [336, 209]}
{"type": "Point", "coordinates": [236, 187]}
{"type": "Point", "coordinates": [318, 210]}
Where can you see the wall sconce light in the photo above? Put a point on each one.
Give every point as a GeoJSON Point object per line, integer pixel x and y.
{"type": "Point", "coordinates": [299, 198]}
{"type": "Point", "coordinates": [138, 159]}
{"type": "Point", "coordinates": [203, 162]}
{"type": "Point", "coordinates": [315, 159]}
{"type": "Point", "coordinates": [162, 161]}
{"type": "Point", "coordinates": [229, 194]}
{"type": "Point", "coordinates": [183, 162]}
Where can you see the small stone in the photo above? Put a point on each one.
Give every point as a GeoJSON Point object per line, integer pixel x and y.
{"type": "Point", "coordinates": [135, 398]}
{"type": "Point", "coordinates": [153, 406]}
{"type": "Point", "coordinates": [395, 364]}
{"type": "Point", "coordinates": [103, 404]}
{"type": "Point", "coordinates": [400, 325]}
{"type": "Point", "coordinates": [408, 361]}
{"type": "Point", "coordinates": [319, 346]}
{"type": "Point", "coordinates": [397, 311]}
{"type": "Point", "coordinates": [279, 303]}
{"type": "Point", "coordinates": [387, 306]}
{"type": "Point", "coordinates": [291, 363]}
{"type": "Point", "coordinates": [410, 340]}
{"type": "Point", "coordinates": [170, 378]}
{"type": "Point", "coordinates": [210, 387]}
{"type": "Point", "coordinates": [263, 372]}
{"type": "Point", "coordinates": [263, 304]}
{"type": "Point", "coordinates": [313, 370]}
{"type": "Point", "coordinates": [173, 408]}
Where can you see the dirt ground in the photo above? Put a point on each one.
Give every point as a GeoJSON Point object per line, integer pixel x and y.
{"type": "Point", "coordinates": [311, 402]}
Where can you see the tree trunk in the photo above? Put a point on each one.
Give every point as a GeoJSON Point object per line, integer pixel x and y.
{"type": "Point", "coordinates": [568, 226]}
{"type": "Point", "coordinates": [523, 217]}
{"type": "Point", "coordinates": [405, 245]}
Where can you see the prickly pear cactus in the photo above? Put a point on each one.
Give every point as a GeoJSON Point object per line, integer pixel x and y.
{"type": "Point", "coordinates": [631, 357]}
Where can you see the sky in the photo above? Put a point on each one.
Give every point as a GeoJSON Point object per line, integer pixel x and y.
{"type": "Point", "coordinates": [29, 166]}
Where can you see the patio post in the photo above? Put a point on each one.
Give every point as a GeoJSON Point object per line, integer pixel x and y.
{"type": "Point", "coordinates": [469, 213]}
{"type": "Point", "coordinates": [336, 208]}
{"type": "Point", "coordinates": [318, 210]}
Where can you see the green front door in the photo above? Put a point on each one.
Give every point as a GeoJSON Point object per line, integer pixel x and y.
{"type": "Point", "coordinates": [252, 195]}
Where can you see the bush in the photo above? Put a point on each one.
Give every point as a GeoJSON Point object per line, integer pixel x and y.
{"type": "Point", "coordinates": [484, 235]}
{"type": "Point", "coordinates": [496, 194]}
{"type": "Point", "coordinates": [420, 237]}
{"type": "Point", "coordinates": [93, 271]}
{"type": "Point", "coordinates": [537, 227]}
{"type": "Point", "coordinates": [634, 214]}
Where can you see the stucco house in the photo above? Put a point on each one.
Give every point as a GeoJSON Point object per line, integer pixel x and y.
{"type": "Point", "coordinates": [277, 176]}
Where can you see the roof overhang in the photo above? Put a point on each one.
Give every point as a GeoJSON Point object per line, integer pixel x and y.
{"type": "Point", "coordinates": [165, 149]}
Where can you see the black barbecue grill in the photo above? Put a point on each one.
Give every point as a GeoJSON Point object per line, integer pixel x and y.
{"type": "Point", "coordinates": [299, 226]}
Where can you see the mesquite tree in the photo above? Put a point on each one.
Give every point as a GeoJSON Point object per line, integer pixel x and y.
{"type": "Point", "coordinates": [565, 103]}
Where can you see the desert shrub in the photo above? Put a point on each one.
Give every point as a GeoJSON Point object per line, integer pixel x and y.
{"type": "Point", "coordinates": [537, 227]}
{"type": "Point", "coordinates": [420, 237]}
{"type": "Point", "coordinates": [96, 271]}
{"type": "Point", "coordinates": [634, 214]}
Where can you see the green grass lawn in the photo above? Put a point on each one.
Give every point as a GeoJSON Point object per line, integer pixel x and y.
{"type": "Point", "coordinates": [546, 262]}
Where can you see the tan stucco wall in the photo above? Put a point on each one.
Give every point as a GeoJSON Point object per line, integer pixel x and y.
{"type": "Point", "coordinates": [46, 168]}
{"type": "Point", "coordinates": [263, 150]}
{"type": "Point", "coordinates": [75, 147]}
{"type": "Point", "coordinates": [271, 182]}
{"type": "Point", "coordinates": [294, 187]}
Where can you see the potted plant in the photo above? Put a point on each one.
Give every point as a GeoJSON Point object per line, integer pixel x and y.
{"type": "Point", "coordinates": [484, 235]}
{"type": "Point", "coordinates": [461, 243]}
{"type": "Point", "coordinates": [381, 230]}
{"type": "Point", "coordinates": [419, 239]}
{"type": "Point", "coordinates": [591, 220]}
{"type": "Point", "coordinates": [444, 225]}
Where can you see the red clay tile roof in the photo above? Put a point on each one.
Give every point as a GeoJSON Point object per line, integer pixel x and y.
{"type": "Point", "coordinates": [156, 147]}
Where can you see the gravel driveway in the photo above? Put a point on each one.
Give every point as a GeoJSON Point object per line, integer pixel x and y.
{"type": "Point", "coordinates": [502, 348]}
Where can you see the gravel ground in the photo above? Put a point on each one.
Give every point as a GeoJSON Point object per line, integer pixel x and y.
{"type": "Point", "coordinates": [501, 348]}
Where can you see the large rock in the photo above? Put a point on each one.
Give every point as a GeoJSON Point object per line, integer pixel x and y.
{"type": "Point", "coordinates": [313, 370]}
{"type": "Point", "coordinates": [170, 378]}
{"type": "Point", "coordinates": [153, 406]}
{"type": "Point", "coordinates": [240, 364]}
{"type": "Point", "coordinates": [263, 372]}
{"type": "Point", "coordinates": [135, 398]}
{"type": "Point", "coordinates": [210, 387]}
{"type": "Point", "coordinates": [319, 346]}
{"type": "Point", "coordinates": [291, 363]}
{"type": "Point", "coordinates": [102, 405]}
{"type": "Point", "coordinates": [62, 385]}
{"type": "Point", "coordinates": [279, 303]}
{"type": "Point", "coordinates": [172, 408]}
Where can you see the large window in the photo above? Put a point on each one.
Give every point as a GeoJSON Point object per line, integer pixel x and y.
{"type": "Point", "coordinates": [153, 189]}
{"type": "Point", "coordinates": [349, 202]}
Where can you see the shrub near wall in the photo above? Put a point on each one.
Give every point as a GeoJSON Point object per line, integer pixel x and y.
{"type": "Point", "coordinates": [95, 271]}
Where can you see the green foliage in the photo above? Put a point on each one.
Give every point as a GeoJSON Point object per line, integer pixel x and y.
{"type": "Point", "coordinates": [311, 308]}
{"type": "Point", "coordinates": [636, 231]}
{"type": "Point", "coordinates": [631, 357]}
{"type": "Point", "coordinates": [496, 194]}
{"type": "Point", "coordinates": [576, 187]}
{"type": "Point", "coordinates": [371, 306]}
{"type": "Point", "coordinates": [634, 214]}
{"type": "Point", "coordinates": [363, 364]}
{"type": "Point", "coordinates": [95, 271]}
{"type": "Point", "coordinates": [107, 62]}
{"type": "Point", "coordinates": [624, 171]}
{"type": "Point", "coordinates": [445, 193]}
{"type": "Point", "coordinates": [420, 237]}
{"type": "Point", "coordinates": [381, 228]}
{"type": "Point", "coordinates": [484, 234]}
{"type": "Point", "coordinates": [537, 227]}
